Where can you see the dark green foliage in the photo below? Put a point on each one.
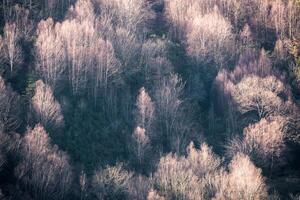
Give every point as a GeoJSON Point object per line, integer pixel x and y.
{"type": "Point", "coordinates": [91, 140]}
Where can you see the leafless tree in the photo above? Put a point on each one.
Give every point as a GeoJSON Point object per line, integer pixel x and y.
{"type": "Point", "coordinates": [210, 38]}
{"type": "Point", "coordinates": [125, 23]}
{"type": "Point", "coordinates": [173, 129]}
{"type": "Point", "coordinates": [195, 176]}
{"type": "Point", "coordinates": [83, 10]}
{"type": "Point", "coordinates": [264, 142]}
{"type": "Point", "coordinates": [83, 182]}
{"type": "Point", "coordinates": [127, 46]}
{"type": "Point", "coordinates": [111, 183]}
{"type": "Point", "coordinates": [202, 161]}
{"type": "Point", "coordinates": [252, 62]}
{"type": "Point", "coordinates": [139, 186]}
{"type": "Point", "coordinates": [281, 52]}
{"type": "Point", "coordinates": [246, 36]}
{"type": "Point", "coordinates": [278, 17]}
{"type": "Point", "coordinates": [9, 108]}
{"type": "Point", "coordinates": [264, 100]}
{"type": "Point", "coordinates": [140, 143]}
{"type": "Point", "coordinates": [75, 50]}
{"type": "Point", "coordinates": [244, 181]}
{"type": "Point", "coordinates": [11, 49]}
{"type": "Point", "coordinates": [19, 15]}
{"type": "Point", "coordinates": [180, 13]}
{"type": "Point", "coordinates": [264, 63]}
{"type": "Point", "coordinates": [153, 48]}
{"type": "Point", "coordinates": [145, 110]}
{"type": "Point", "coordinates": [44, 169]}
{"type": "Point", "coordinates": [153, 195]}
{"type": "Point", "coordinates": [176, 180]}
{"type": "Point", "coordinates": [132, 15]}
{"type": "Point", "coordinates": [50, 53]}
{"type": "Point", "coordinates": [2, 53]}
{"type": "Point", "coordinates": [46, 109]}
{"type": "Point", "coordinates": [293, 18]}
{"type": "Point", "coordinates": [9, 147]}
{"type": "Point", "coordinates": [154, 60]}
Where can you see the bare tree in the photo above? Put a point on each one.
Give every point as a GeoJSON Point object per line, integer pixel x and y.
{"type": "Point", "coordinates": [127, 47]}
{"type": "Point", "coordinates": [244, 181]}
{"type": "Point", "coordinates": [210, 38]}
{"type": "Point", "coordinates": [145, 110]}
{"type": "Point", "coordinates": [153, 195]}
{"type": "Point", "coordinates": [175, 180]}
{"type": "Point", "coordinates": [281, 52]}
{"type": "Point", "coordinates": [2, 54]}
{"type": "Point", "coordinates": [9, 108]}
{"type": "Point", "coordinates": [133, 15]}
{"type": "Point", "coordinates": [19, 16]}
{"type": "Point", "coordinates": [264, 100]}
{"type": "Point", "coordinates": [196, 176]}
{"type": "Point", "coordinates": [180, 13]}
{"type": "Point", "coordinates": [252, 62]}
{"type": "Point", "coordinates": [75, 50]}
{"type": "Point", "coordinates": [111, 183]}
{"type": "Point", "coordinates": [140, 143]}
{"type": "Point", "coordinates": [139, 186]}
{"type": "Point", "coordinates": [267, 138]}
{"type": "Point", "coordinates": [278, 17]}
{"type": "Point", "coordinates": [50, 48]}
{"type": "Point", "coordinates": [82, 10]}
{"type": "Point", "coordinates": [91, 59]}
{"type": "Point", "coordinates": [173, 128]}
{"type": "Point", "coordinates": [12, 50]}
{"type": "Point", "coordinates": [9, 148]}
{"type": "Point", "coordinates": [125, 23]}
{"type": "Point", "coordinates": [50, 53]}
{"type": "Point", "coordinates": [293, 18]}
{"type": "Point", "coordinates": [83, 182]}
{"type": "Point", "coordinates": [153, 48]}
{"type": "Point", "coordinates": [44, 169]}
{"type": "Point", "coordinates": [263, 142]}
{"type": "Point", "coordinates": [264, 64]}
{"type": "Point", "coordinates": [154, 60]}
{"type": "Point", "coordinates": [199, 175]}
{"type": "Point", "coordinates": [202, 161]}
{"type": "Point", "coordinates": [246, 36]}
{"type": "Point", "coordinates": [107, 70]}
{"type": "Point", "coordinates": [45, 108]}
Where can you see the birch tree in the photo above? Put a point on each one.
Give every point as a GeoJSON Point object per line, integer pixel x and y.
{"type": "Point", "coordinates": [50, 53]}
{"type": "Point", "coordinates": [173, 128]}
{"type": "Point", "coordinates": [140, 143]}
{"type": "Point", "coordinates": [74, 50]}
{"type": "Point", "coordinates": [133, 15]}
{"type": "Point", "coordinates": [46, 109]}
{"type": "Point", "coordinates": [145, 110]}
{"type": "Point", "coordinates": [44, 170]}
{"type": "Point", "coordinates": [11, 48]}
{"type": "Point", "coordinates": [210, 38]}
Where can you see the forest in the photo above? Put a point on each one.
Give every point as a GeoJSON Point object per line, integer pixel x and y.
{"type": "Point", "coordinates": [149, 99]}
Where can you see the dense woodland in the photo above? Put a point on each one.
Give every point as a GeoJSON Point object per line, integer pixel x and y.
{"type": "Point", "coordinates": [149, 99]}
